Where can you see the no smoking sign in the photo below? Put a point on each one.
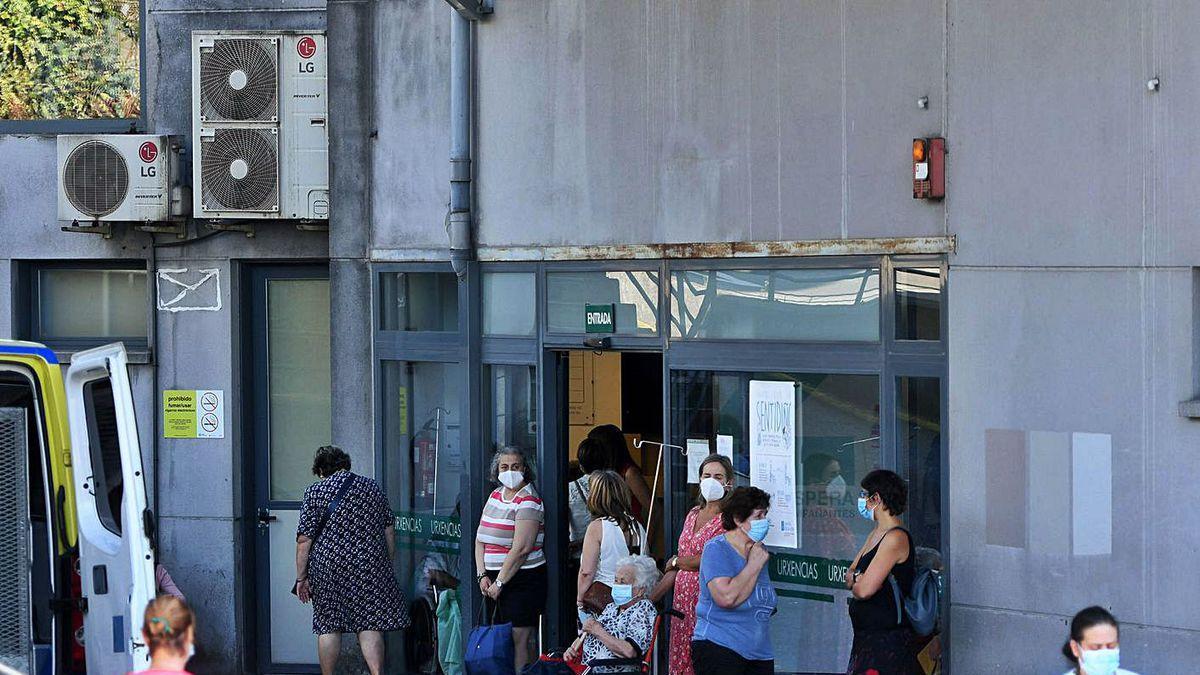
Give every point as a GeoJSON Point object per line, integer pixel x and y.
{"type": "Point", "coordinates": [194, 413]}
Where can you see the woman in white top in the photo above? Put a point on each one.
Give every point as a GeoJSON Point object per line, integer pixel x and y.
{"type": "Point", "coordinates": [591, 458]}
{"type": "Point", "coordinates": [613, 535]}
{"type": "Point", "coordinates": [1094, 647]}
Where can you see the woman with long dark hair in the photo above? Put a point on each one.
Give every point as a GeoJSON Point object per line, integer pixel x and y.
{"type": "Point", "coordinates": [1094, 647]}
{"type": "Point", "coordinates": [617, 458]}
{"type": "Point", "coordinates": [613, 534]}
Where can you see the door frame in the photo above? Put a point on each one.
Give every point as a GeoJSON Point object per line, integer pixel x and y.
{"type": "Point", "coordinates": [256, 597]}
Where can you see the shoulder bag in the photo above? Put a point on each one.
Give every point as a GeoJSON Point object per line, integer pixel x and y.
{"type": "Point", "coordinates": [329, 511]}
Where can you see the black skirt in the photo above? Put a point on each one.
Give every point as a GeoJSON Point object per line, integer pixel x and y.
{"type": "Point", "coordinates": [522, 599]}
{"type": "Point", "coordinates": [888, 652]}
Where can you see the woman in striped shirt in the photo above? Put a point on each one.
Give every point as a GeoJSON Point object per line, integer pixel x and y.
{"type": "Point", "coordinates": [509, 563]}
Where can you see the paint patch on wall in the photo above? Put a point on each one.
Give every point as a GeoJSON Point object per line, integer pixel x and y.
{"type": "Point", "coordinates": [188, 290]}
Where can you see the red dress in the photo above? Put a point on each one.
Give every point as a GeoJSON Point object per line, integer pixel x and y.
{"type": "Point", "coordinates": [687, 591]}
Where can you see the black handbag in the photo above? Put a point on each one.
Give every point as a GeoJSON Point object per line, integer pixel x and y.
{"type": "Point", "coordinates": [329, 511]}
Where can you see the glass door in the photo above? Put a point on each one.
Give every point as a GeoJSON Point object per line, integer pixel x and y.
{"type": "Point", "coordinates": [291, 417]}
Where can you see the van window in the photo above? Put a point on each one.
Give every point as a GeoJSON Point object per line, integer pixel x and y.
{"type": "Point", "coordinates": [105, 449]}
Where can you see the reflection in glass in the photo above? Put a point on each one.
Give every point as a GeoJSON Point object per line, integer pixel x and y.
{"type": "Point", "coordinates": [837, 443]}
{"type": "Point", "coordinates": [509, 303]}
{"type": "Point", "coordinates": [78, 303]}
{"type": "Point", "coordinates": [918, 304]}
{"type": "Point", "coordinates": [418, 301]}
{"type": "Point", "coordinates": [512, 407]}
{"type": "Point", "coordinates": [635, 295]}
{"type": "Point", "coordinates": [298, 381]}
{"type": "Point", "coordinates": [796, 304]}
{"type": "Point", "coordinates": [919, 449]}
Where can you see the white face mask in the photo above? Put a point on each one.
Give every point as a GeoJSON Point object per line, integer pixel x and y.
{"type": "Point", "coordinates": [836, 488]}
{"type": "Point", "coordinates": [1100, 661]}
{"type": "Point", "coordinates": [511, 479]}
{"type": "Point", "coordinates": [191, 650]}
{"type": "Point", "coordinates": [711, 489]}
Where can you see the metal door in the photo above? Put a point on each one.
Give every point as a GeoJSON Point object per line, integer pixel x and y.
{"type": "Point", "coordinates": [115, 526]}
{"type": "Point", "coordinates": [288, 418]}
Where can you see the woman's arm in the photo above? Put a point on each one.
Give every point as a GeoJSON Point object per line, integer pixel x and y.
{"type": "Point", "coordinates": [729, 592]}
{"type": "Point", "coordinates": [589, 560]}
{"type": "Point", "coordinates": [389, 535]}
{"type": "Point", "coordinates": [524, 538]}
{"type": "Point", "coordinates": [691, 563]}
{"type": "Point", "coordinates": [303, 547]}
{"type": "Point", "coordinates": [891, 549]}
{"type": "Point", "coordinates": [663, 586]}
{"type": "Point", "coordinates": [616, 645]}
{"type": "Point", "coordinates": [484, 583]}
{"type": "Point", "coordinates": [637, 485]}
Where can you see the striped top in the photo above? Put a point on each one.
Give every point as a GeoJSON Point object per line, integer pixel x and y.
{"type": "Point", "coordinates": [498, 524]}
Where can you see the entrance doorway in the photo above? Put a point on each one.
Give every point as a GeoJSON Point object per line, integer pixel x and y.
{"type": "Point", "coordinates": [288, 416]}
{"type": "Point", "coordinates": [596, 388]}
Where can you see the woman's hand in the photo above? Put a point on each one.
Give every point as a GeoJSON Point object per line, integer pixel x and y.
{"type": "Point", "coordinates": [493, 591]}
{"type": "Point", "coordinates": [573, 651]}
{"type": "Point", "coordinates": [593, 627]}
{"type": "Point", "coordinates": [484, 584]}
{"type": "Point", "coordinates": [303, 591]}
{"type": "Point", "coordinates": [758, 555]}
{"type": "Point", "coordinates": [851, 576]}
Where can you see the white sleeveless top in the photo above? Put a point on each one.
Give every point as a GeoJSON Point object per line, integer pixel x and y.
{"type": "Point", "coordinates": [613, 548]}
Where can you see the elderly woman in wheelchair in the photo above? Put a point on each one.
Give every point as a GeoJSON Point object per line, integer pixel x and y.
{"type": "Point", "coordinates": [624, 631]}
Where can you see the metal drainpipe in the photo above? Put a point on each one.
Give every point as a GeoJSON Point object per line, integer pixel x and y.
{"type": "Point", "coordinates": [459, 221]}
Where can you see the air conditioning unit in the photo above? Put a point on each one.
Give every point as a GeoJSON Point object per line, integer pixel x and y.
{"type": "Point", "coordinates": [260, 125]}
{"type": "Point", "coordinates": [117, 177]}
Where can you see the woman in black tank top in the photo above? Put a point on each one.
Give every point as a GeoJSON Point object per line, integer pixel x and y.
{"type": "Point", "coordinates": [881, 643]}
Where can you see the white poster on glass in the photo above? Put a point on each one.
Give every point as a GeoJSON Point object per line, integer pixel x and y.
{"type": "Point", "coordinates": [774, 418]}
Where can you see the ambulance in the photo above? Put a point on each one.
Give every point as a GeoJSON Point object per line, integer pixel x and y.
{"type": "Point", "coordinates": [78, 539]}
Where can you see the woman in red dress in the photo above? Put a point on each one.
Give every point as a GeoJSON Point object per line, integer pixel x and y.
{"type": "Point", "coordinates": [702, 524]}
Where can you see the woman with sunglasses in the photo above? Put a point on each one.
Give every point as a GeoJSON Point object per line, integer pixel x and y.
{"type": "Point", "coordinates": [881, 643]}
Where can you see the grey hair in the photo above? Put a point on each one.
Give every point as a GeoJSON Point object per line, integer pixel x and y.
{"type": "Point", "coordinates": [645, 570]}
{"type": "Point", "coordinates": [530, 472]}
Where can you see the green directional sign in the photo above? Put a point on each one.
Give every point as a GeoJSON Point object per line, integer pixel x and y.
{"type": "Point", "coordinates": [427, 532]}
{"type": "Point", "coordinates": [600, 318]}
{"type": "Point", "coordinates": [809, 570]}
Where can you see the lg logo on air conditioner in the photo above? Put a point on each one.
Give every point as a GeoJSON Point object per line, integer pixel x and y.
{"type": "Point", "coordinates": [148, 153]}
{"type": "Point", "coordinates": [306, 48]}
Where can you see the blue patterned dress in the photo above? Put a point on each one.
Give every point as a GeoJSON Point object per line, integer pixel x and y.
{"type": "Point", "coordinates": [349, 570]}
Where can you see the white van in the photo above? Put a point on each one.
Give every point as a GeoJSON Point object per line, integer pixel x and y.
{"type": "Point", "coordinates": [76, 536]}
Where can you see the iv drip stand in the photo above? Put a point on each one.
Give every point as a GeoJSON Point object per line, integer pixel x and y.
{"type": "Point", "coordinates": [638, 443]}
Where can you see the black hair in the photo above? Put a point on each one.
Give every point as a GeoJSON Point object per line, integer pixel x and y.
{"type": "Point", "coordinates": [592, 456]}
{"type": "Point", "coordinates": [1085, 619]}
{"type": "Point", "coordinates": [330, 459]}
{"type": "Point", "coordinates": [890, 487]}
{"type": "Point", "coordinates": [616, 452]}
{"type": "Point", "coordinates": [741, 503]}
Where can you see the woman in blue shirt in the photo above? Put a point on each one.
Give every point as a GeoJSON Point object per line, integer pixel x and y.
{"type": "Point", "coordinates": [736, 597]}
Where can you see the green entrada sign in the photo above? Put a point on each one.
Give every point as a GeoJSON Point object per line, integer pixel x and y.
{"type": "Point", "coordinates": [600, 318]}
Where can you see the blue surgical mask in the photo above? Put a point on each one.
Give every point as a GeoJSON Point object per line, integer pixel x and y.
{"type": "Point", "coordinates": [1100, 661]}
{"type": "Point", "coordinates": [622, 593]}
{"type": "Point", "coordinates": [758, 529]}
{"type": "Point", "coordinates": [863, 510]}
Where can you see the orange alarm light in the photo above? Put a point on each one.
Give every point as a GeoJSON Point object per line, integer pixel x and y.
{"type": "Point", "coordinates": [919, 150]}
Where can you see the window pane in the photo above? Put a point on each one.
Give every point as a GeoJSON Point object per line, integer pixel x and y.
{"type": "Point", "coordinates": [81, 303]}
{"type": "Point", "coordinates": [919, 449]}
{"type": "Point", "coordinates": [836, 422]}
{"type": "Point", "coordinates": [419, 301]}
{"type": "Point", "coordinates": [298, 380]}
{"type": "Point", "coordinates": [918, 304]}
{"type": "Point", "coordinates": [635, 295]}
{"type": "Point", "coordinates": [512, 407]}
{"type": "Point", "coordinates": [104, 448]}
{"type": "Point", "coordinates": [70, 60]}
{"type": "Point", "coordinates": [509, 303]}
{"type": "Point", "coordinates": [809, 304]}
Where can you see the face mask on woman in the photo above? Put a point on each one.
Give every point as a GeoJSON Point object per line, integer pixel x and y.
{"type": "Point", "coordinates": [758, 529]}
{"type": "Point", "coordinates": [511, 479]}
{"type": "Point", "coordinates": [864, 510]}
{"type": "Point", "coordinates": [1100, 661]}
{"type": "Point", "coordinates": [836, 488]}
{"type": "Point", "coordinates": [622, 593]}
{"type": "Point", "coordinates": [711, 489]}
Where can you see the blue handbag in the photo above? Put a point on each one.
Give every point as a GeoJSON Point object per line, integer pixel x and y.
{"type": "Point", "coordinates": [489, 648]}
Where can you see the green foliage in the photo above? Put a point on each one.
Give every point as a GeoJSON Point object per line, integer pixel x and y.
{"type": "Point", "coordinates": [69, 59]}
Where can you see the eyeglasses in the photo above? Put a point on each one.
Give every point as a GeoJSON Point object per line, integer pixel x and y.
{"type": "Point", "coordinates": [863, 494]}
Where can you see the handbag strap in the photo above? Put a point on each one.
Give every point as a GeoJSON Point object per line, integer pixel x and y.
{"type": "Point", "coordinates": [333, 507]}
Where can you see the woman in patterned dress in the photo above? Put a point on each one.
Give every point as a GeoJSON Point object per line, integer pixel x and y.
{"type": "Point", "coordinates": [347, 571]}
{"type": "Point", "coordinates": [702, 524]}
{"type": "Point", "coordinates": [625, 627]}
